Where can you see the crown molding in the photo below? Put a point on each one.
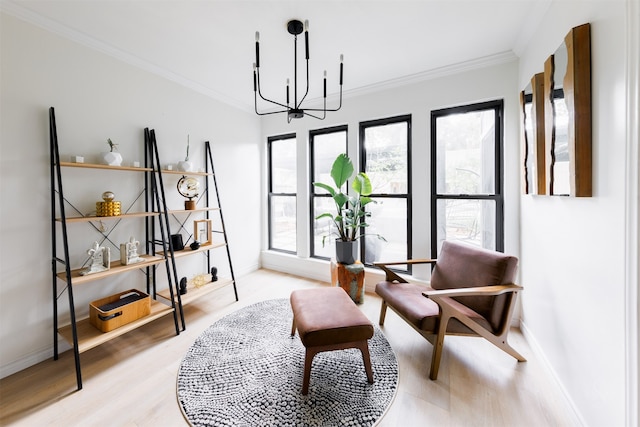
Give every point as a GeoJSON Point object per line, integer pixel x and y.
{"type": "Point", "coordinates": [14, 9]}
{"type": "Point", "coordinates": [461, 67]}
{"type": "Point", "coordinates": [21, 12]}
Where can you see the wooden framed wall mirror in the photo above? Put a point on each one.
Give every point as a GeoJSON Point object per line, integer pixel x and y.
{"type": "Point", "coordinates": [567, 109]}
{"type": "Point", "coordinates": [532, 125]}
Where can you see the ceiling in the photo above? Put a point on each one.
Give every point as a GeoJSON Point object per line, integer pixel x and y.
{"type": "Point", "coordinates": [209, 45]}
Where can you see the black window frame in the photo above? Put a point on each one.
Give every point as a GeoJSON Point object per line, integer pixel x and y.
{"type": "Point", "coordinates": [408, 196]}
{"type": "Point", "coordinates": [498, 196]}
{"type": "Point", "coordinates": [312, 194]}
{"type": "Point", "coordinates": [271, 194]}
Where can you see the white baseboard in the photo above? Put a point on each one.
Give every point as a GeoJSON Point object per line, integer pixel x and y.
{"type": "Point", "coordinates": [32, 359]}
{"type": "Point", "coordinates": [541, 356]}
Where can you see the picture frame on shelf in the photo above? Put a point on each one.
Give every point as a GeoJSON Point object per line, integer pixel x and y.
{"type": "Point", "coordinates": [202, 231]}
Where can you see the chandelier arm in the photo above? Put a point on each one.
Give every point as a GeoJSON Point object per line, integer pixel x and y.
{"type": "Point", "coordinates": [314, 116]}
{"type": "Point", "coordinates": [266, 99]}
{"type": "Point", "coordinates": [328, 109]}
{"type": "Point", "coordinates": [271, 112]}
{"type": "Point", "coordinates": [324, 111]}
{"type": "Point", "coordinates": [307, 91]}
{"type": "Point", "coordinates": [255, 103]}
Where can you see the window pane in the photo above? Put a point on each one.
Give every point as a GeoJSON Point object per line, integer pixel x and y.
{"type": "Point", "coordinates": [386, 157]}
{"type": "Point", "coordinates": [466, 153]}
{"type": "Point", "coordinates": [323, 227]}
{"type": "Point", "coordinates": [283, 166]}
{"type": "Point", "coordinates": [471, 221]}
{"type": "Point", "coordinates": [388, 219]}
{"type": "Point", "coordinates": [326, 148]}
{"type": "Point", "coordinates": [283, 223]}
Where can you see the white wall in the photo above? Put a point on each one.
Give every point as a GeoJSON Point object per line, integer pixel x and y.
{"type": "Point", "coordinates": [492, 79]}
{"type": "Point", "coordinates": [97, 97]}
{"type": "Point", "coordinates": [573, 249]}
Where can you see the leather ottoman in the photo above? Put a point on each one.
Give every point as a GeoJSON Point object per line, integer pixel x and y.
{"type": "Point", "coordinates": [327, 319]}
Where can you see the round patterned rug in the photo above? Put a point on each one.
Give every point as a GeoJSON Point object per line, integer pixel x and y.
{"type": "Point", "coordinates": [246, 370]}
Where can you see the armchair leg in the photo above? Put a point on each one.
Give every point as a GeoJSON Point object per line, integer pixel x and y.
{"type": "Point", "coordinates": [383, 312]}
{"type": "Point", "coordinates": [293, 327]}
{"type": "Point", "coordinates": [437, 348]}
{"type": "Point", "coordinates": [502, 344]}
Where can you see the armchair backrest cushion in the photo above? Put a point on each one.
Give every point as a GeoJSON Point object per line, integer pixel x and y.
{"type": "Point", "coordinates": [463, 266]}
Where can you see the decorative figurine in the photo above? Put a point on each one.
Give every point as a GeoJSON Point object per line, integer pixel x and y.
{"type": "Point", "coordinates": [112, 157]}
{"type": "Point", "coordinates": [214, 274]}
{"type": "Point", "coordinates": [183, 286]}
{"type": "Point", "coordinates": [195, 245]}
{"type": "Point", "coordinates": [100, 259]}
{"type": "Point", "coordinates": [108, 207]}
{"type": "Point", "coordinates": [186, 165]}
{"type": "Point", "coordinates": [129, 252]}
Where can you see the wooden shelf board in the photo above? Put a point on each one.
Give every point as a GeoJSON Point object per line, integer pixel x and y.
{"type": "Point", "coordinates": [116, 268]}
{"type": "Point", "coordinates": [100, 218]}
{"type": "Point", "coordinates": [175, 172]}
{"type": "Point", "coordinates": [188, 251]}
{"type": "Point", "coordinates": [194, 293]}
{"type": "Point", "coordinates": [90, 337]}
{"type": "Point", "coordinates": [108, 167]}
{"type": "Point", "coordinates": [184, 211]}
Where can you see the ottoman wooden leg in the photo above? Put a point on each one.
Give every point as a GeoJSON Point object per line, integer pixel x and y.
{"type": "Point", "coordinates": [364, 349]}
{"type": "Point", "coordinates": [308, 359]}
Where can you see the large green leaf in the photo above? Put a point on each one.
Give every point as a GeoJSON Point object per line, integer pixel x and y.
{"type": "Point", "coordinates": [326, 187]}
{"type": "Point", "coordinates": [341, 170]}
{"type": "Point", "coordinates": [340, 199]}
{"type": "Point", "coordinates": [362, 184]}
{"type": "Point", "coordinates": [325, 215]}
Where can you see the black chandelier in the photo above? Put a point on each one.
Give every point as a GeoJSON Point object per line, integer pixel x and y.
{"type": "Point", "coordinates": [295, 110]}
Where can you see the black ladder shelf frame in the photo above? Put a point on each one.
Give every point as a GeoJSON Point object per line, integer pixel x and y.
{"type": "Point", "coordinates": [58, 200]}
{"type": "Point", "coordinates": [209, 162]}
{"type": "Point", "coordinates": [210, 175]}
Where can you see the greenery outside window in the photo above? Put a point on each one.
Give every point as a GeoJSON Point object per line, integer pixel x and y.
{"type": "Point", "coordinates": [386, 158]}
{"type": "Point", "coordinates": [467, 175]}
{"type": "Point", "coordinates": [282, 192]}
{"type": "Point", "coordinates": [325, 146]}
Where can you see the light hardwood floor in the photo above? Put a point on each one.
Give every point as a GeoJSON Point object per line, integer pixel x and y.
{"type": "Point", "coordinates": [131, 380]}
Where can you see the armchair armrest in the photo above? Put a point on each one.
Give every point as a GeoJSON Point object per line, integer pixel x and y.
{"type": "Point", "coordinates": [391, 276]}
{"type": "Point", "coordinates": [474, 291]}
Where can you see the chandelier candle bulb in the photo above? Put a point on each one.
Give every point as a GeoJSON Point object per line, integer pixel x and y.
{"type": "Point", "coordinates": [325, 83]}
{"type": "Point", "coordinates": [257, 63]}
{"type": "Point", "coordinates": [254, 77]}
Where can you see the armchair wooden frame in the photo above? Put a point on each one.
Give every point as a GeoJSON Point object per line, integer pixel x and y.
{"type": "Point", "coordinates": [448, 310]}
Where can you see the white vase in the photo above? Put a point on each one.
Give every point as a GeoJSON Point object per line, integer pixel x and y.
{"type": "Point", "coordinates": [111, 158]}
{"type": "Point", "coordinates": [185, 166]}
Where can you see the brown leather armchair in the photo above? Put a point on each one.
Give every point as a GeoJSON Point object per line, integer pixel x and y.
{"type": "Point", "coordinates": [471, 293]}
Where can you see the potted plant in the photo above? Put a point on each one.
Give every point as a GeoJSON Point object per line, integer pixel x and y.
{"type": "Point", "coordinates": [350, 217]}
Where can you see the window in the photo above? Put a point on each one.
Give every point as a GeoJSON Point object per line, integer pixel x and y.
{"type": "Point", "coordinates": [282, 192]}
{"type": "Point", "coordinates": [386, 159]}
{"type": "Point", "coordinates": [466, 176]}
{"type": "Point", "coordinates": [326, 144]}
